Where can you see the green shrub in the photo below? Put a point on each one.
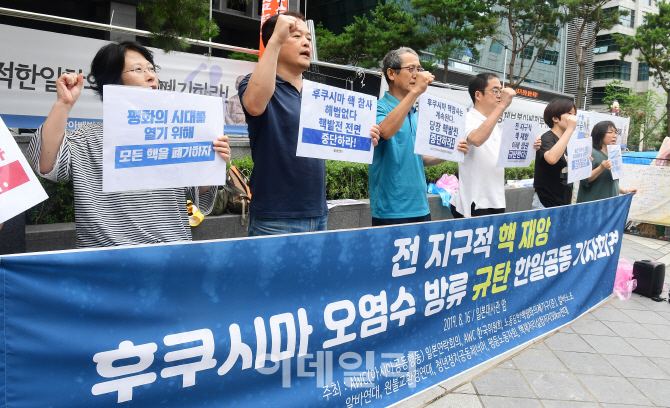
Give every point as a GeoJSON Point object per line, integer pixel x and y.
{"type": "Point", "coordinates": [343, 180]}
{"type": "Point", "coordinates": [59, 207]}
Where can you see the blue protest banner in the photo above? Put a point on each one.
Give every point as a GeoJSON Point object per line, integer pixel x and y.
{"type": "Point", "coordinates": [332, 319]}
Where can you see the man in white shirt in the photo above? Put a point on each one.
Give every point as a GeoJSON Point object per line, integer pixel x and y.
{"type": "Point", "coordinates": [481, 187]}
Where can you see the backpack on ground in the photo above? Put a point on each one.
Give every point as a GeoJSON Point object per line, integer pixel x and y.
{"type": "Point", "coordinates": [235, 196]}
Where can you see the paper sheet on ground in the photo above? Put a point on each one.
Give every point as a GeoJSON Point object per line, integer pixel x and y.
{"type": "Point", "coordinates": [441, 125]}
{"type": "Point", "coordinates": [516, 146]}
{"type": "Point", "coordinates": [579, 159]}
{"type": "Point", "coordinates": [19, 187]}
{"type": "Point", "coordinates": [335, 123]}
{"type": "Point", "coordinates": [160, 139]}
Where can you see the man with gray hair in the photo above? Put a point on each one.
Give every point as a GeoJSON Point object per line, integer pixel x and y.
{"type": "Point", "coordinates": [397, 177]}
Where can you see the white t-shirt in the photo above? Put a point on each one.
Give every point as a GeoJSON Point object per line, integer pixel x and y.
{"type": "Point", "coordinates": [480, 181]}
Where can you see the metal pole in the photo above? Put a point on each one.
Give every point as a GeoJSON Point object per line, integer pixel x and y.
{"type": "Point", "coordinates": [210, 20]}
{"type": "Point", "coordinates": [586, 90]}
{"type": "Point", "coordinates": [504, 65]}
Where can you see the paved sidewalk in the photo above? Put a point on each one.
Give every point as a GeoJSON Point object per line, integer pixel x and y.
{"type": "Point", "coordinates": [616, 356]}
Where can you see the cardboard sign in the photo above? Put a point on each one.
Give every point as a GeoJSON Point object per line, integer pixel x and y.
{"type": "Point", "coordinates": [157, 139]}
{"type": "Point", "coordinates": [441, 125]}
{"type": "Point", "coordinates": [19, 187]}
{"type": "Point", "coordinates": [579, 159]}
{"type": "Point", "coordinates": [614, 155]}
{"type": "Point", "coordinates": [335, 124]}
{"type": "Point", "coordinates": [516, 147]}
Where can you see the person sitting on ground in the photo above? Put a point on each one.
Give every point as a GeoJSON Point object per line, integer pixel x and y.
{"type": "Point", "coordinates": [551, 163]}
{"type": "Point", "coordinates": [397, 177]}
{"type": "Point", "coordinates": [114, 218]}
{"type": "Point", "coordinates": [288, 193]}
{"type": "Point", "coordinates": [601, 184]}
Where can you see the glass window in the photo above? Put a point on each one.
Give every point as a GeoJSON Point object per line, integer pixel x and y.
{"type": "Point", "coordinates": [627, 21]}
{"type": "Point", "coordinates": [612, 69]}
{"type": "Point", "coordinates": [598, 94]}
{"type": "Point", "coordinates": [548, 57]}
{"type": "Point", "coordinates": [605, 43]}
{"type": "Point", "coordinates": [528, 52]}
{"type": "Point", "coordinates": [496, 47]}
{"type": "Point", "coordinates": [642, 72]}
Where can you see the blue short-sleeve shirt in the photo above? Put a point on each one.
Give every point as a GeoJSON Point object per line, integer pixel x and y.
{"type": "Point", "coordinates": [282, 184]}
{"type": "Point", "coordinates": [397, 177]}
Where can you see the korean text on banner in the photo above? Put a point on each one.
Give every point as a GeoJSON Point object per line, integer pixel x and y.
{"type": "Point", "coordinates": [157, 139]}
{"type": "Point", "coordinates": [441, 125]}
{"type": "Point", "coordinates": [614, 156]}
{"type": "Point", "coordinates": [19, 187]}
{"type": "Point", "coordinates": [584, 124]}
{"type": "Point", "coordinates": [310, 320]}
{"type": "Point", "coordinates": [516, 148]}
{"type": "Point", "coordinates": [335, 123]}
{"type": "Point", "coordinates": [579, 159]}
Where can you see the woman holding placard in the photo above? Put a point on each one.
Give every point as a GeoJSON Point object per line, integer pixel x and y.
{"type": "Point", "coordinates": [115, 218]}
{"type": "Point", "coordinates": [601, 184]}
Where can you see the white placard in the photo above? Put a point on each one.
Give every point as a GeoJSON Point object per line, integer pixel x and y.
{"type": "Point", "coordinates": [516, 147]}
{"type": "Point", "coordinates": [622, 126]}
{"type": "Point", "coordinates": [441, 125]}
{"type": "Point", "coordinates": [614, 156]}
{"type": "Point", "coordinates": [19, 187]}
{"type": "Point", "coordinates": [159, 139]}
{"type": "Point", "coordinates": [651, 203]}
{"type": "Point", "coordinates": [584, 124]}
{"type": "Point", "coordinates": [579, 159]}
{"type": "Point", "coordinates": [335, 124]}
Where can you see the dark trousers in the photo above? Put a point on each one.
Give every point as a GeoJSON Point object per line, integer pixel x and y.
{"type": "Point", "coordinates": [377, 222]}
{"type": "Point", "coordinates": [478, 212]}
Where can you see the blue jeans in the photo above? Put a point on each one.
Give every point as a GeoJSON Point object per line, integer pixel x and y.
{"type": "Point", "coordinates": [276, 226]}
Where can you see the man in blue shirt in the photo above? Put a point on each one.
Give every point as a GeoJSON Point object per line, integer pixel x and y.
{"type": "Point", "coordinates": [288, 193]}
{"type": "Point", "coordinates": [397, 178]}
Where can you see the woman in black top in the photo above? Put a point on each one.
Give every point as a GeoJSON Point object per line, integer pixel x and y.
{"type": "Point", "coordinates": [551, 165]}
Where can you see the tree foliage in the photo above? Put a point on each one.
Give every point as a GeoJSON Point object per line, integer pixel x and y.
{"type": "Point", "coordinates": [455, 25]}
{"type": "Point", "coordinates": [652, 39]}
{"type": "Point", "coordinates": [533, 23]}
{"type": "Point", "coordinates": [588, 19]}
{"type": "Point", "coordinates": [171, 21]}
{"type": "Point", "coordinates": [642, 110]}
{"type": "Point", "coordinates": [364, 43]}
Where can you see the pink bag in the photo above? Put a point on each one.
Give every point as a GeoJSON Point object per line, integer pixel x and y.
{"type": "Point", "coordinates": [624, 284]}
{"type": "Point", "coordinates": [447, 182]}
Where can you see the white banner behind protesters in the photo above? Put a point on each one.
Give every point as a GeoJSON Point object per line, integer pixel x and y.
{"type": "Point", "coordinates": [441, 125]}
{"type": "Point", "coordinates": [579, 159]}
{"type": "Point", "coordinates": [520, 109]}
{"type": "Point", "coordinates": [622, 126]}
{"type": "Point", "coordinates": [29, 69]}
{"type": "Point", "coordinates": [335, 124]}
{"type": "Point", "coordinates": [19, 187]}
{"type": "Point", "coordinates": [159, 139]}
{"type": "Point", "coordinates": [651, 202]}
{"type": "Point", "coordinates": [516, 147]}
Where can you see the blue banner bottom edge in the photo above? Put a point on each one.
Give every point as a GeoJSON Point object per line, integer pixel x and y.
{"type": "Point", "coordinates": [467, 375]}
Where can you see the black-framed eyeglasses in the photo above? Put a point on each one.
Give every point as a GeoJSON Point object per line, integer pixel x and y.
{"type": "Point", "coordinates": [411, 69]}
{"type": "Point", "coordinates": [139, 71]}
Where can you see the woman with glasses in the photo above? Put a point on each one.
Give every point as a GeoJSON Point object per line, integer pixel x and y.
{"type": "Point", "coordinates": [601, 184]}
{"type": "Point", "coordinates": [117, 218]}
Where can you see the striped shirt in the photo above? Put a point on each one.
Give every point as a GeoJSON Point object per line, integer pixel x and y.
{"type": "Point", "coordinates": [116, 218]}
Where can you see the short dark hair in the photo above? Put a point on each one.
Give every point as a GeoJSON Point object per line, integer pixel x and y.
{"type": "Point", "coordinates": [269, 26]}
{"type": "Point", "coordinates": [108, 63]}
{"type": "Point", "coordinates": [479, 83]}
{"type": "Point", "coordinates": [598, 133]}
{"type": "Point", "coordinates": [556, 108]}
